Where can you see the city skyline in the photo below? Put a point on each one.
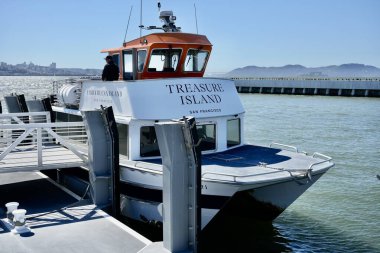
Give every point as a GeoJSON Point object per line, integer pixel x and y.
{"type": "Point", "coordinates": [31, 69]}
{"type": "Point", "coordinates": [261, 33]}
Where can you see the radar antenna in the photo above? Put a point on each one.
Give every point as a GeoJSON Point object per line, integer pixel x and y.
{"type": "Point", "coordinates": [166, 17]}
{"type": "Point", "coordinates": [169, 19]}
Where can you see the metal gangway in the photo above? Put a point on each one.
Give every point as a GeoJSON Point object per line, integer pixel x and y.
{"type": "Point", "coordinates": [30, 142]}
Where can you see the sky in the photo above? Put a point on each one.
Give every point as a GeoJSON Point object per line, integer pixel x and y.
{"type": "Point", "coordinates": [264, 33]}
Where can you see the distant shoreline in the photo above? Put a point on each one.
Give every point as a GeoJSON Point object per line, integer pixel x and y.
{"type": "Point", "coordinates": [32, 69]}
{"type": "Point", "coordinates": [46, 75]}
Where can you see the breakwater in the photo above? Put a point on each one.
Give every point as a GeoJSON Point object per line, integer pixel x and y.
{"type": "Point", "coordinates": [323, 86]}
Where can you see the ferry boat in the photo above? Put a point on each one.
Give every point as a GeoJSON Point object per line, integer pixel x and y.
{"type": "Point", "coordinates": [161, 79]}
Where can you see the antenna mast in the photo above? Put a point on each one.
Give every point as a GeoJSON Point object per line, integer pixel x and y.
{"type": "Point", "coordinates": [196, 18]}
{"type": "Point", "coordinates": [141, 26]}
{"type": "Point", "coordinates": [129, 18]}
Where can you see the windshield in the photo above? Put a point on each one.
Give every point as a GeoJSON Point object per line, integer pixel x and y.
{"type": "Point", "coordinates": [164, 60]}
{"type": "Point", "coordinates": [195, 60]}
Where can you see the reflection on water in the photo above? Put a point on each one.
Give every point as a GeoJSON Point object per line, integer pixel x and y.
{"type": "Point", "coordinates": [306, 234]}
{"type": "Point", "coordinates": [291, 232]}
{"type": "Point", "coordinates": [236, 234]}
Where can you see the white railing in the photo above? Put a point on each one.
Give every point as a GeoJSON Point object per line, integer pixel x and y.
{"type": "Point", "coordinates": [34, 134]}
{"type": "Point", "coordinates": [288, 147]}
{"type": "Point", "coordinates": [321, 156]}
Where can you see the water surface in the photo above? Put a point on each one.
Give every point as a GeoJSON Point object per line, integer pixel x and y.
{"type": "Point", "coordinates": [341, 212]}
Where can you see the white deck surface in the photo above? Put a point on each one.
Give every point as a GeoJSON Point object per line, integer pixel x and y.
{"type": "Point", "coordinates": [26, 159]}
{"type": "Point", "coordinates": [81, 228]}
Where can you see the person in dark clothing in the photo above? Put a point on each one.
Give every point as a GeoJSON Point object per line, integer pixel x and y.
{"type": "Point", "coordinates": [110, 71]}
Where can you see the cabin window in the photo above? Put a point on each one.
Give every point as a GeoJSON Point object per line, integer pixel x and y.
{"type": "Point", "coordinates": [164, 60]}
{"type": "Point", "coordinates": [233, 132]}
{"type": "Point", "coordinates": [128, 65]}
{"type": "Point", "coordinates": [141, 56]}
{"type": "Point", "coordinates": [195, 60]}
{"type": "Point", "coordinates": [148, 142]}
{"type": "Point", "coordinates": [208, 135]}
{"type": "Point", "coordinates": [123, 139]}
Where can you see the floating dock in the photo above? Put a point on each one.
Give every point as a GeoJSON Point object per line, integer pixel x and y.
{"type": "Point", "coordinates": [59, 220]}
{"type": "Point", "coordinates": [322, 86]}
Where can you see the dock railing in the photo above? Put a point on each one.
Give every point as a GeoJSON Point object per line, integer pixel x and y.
{"type": "Point", "coordinates": [29, 141]}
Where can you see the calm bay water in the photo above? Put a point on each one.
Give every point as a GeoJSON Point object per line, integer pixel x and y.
{"type": "Point", "coordinates": [339, 213]}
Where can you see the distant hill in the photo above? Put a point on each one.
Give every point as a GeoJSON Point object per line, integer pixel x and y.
{"type": "Point", "coordinates": [344, 70]}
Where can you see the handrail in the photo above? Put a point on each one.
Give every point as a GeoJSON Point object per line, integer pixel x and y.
{"type": "Point", "coordinates": [285, 146]}
{"type": "Point", "coordinates": [235, 177]}
{"type": "Point", "coordinates": [15, 135]}
{"type": "Point", "coordinates": [23, 114]}
{"type": "Point", "coordinates": [317, 154]}
{"type": "Point", "coordinates": [317, 163]}
{"type": "Point", "coordinates": [41, 125]}
{"type": "Point", "coordinates": [241, 176]}
{"type": "Point", "coordinates": [146, 170]}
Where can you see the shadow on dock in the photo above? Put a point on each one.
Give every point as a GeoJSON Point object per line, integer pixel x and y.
{"type": "Point", "coordinates": [59, 220]}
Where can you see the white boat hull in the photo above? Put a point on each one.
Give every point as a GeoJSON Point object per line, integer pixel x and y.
{"type": "Point", "coordinates": [256, 201]}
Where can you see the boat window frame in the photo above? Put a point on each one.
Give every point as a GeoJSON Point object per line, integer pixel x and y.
{"type": "Point", "coordinates": [129, 73]}
{"type": "Point", "coordinates": [239, 128]}
{"type": "Point", "coordinates": [145, 60]}
{"type": "Point", "coordinates": [165, 48]}
{"type": "Point", "coordinates": [215, 135]}
{"type": "Point", "coordinates": [205, 62]}
{"type": "Point", "coordinates": [140, 142]}
{"type": "Point", "coordinates": [118, 124]}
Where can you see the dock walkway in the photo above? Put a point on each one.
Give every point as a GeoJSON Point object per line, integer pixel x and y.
{"type": "Point", "coordinates": [81, 227]}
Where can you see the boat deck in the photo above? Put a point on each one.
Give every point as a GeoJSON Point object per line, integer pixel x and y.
{"type": "Point", "coordinates": [248, 162]}
{"type": "Point", "coordinates": [81, 227]}
{"type": "Point", "coordinates": [262, 163]}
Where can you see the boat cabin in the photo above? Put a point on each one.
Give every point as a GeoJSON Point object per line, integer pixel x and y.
{"type": "Point", "coordinates": [139, 99]}
{"type": "Point", "coordinates": [162, 55]}
{"type": "Point", "coordinates": [139, 104]}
